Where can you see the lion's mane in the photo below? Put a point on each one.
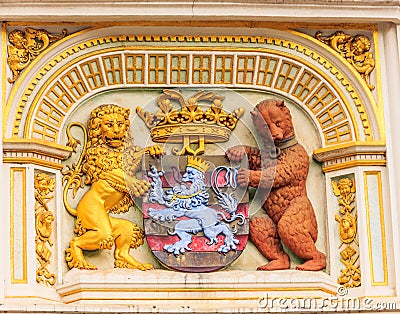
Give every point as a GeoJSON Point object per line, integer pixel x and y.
{"type": "Point", "coordinates": [99, 156]}
{"type": "Point", "coordinates": [197, 187]}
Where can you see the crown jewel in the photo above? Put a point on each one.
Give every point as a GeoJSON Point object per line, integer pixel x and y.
{"type": "Point", "coordinates": [190, 124]}
{"type": "Point", "coordinates": [198, 163]}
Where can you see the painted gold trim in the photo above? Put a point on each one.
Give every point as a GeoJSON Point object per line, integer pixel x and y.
{"type": "Point", "coordinates": [93, 26]}
{"type": "Point", "coordinates": [353, 163]}
{"type": "Point", "coordinates": [3, 71]}
{"type": "Point", "coordinates": [352, 91]}
{"type": "Point", "coordinates": [382, 222]}
{"type": "Point", "coordinates": [378, 107]}
{"type": "Point", "coordinates": [376, 144]}
{"type": "Point", "coordinates": [12, 231]}
{"type": "Point", "coordinates": [34, 161]}
{"type": "Point", "coordinates": [92, 42]}
{"type": "Point", "coordinates": [16, 86]}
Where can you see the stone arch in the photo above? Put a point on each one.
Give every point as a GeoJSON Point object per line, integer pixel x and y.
{"type": "Point", "coordinates": [272, 64]}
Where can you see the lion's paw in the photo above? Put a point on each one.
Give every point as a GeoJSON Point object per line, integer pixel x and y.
{"type": "Point", "coordinates": [228, 246]}
{"type": "Point", "coordinates": [162, 215]}
{"type": "Point", "coordinates": [177, 248]}
{"type": "Point", "coordinates": [138, 187]}
{"type": "Point", "coordinates": [122, 263]}
{"type": "Point", "coordinates": [74, 262]}
{"type": "Point", "coordinates": [155, 150]}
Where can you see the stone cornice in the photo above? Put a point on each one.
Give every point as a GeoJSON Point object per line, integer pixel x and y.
{"type": "Point", "coordinates": [34, 152]}
{"type": "Point", "coordinates": [351, 155]}
{"type": "Point", "coordinates": [317, 11]}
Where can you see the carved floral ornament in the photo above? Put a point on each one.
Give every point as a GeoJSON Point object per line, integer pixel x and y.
{"type": "Point", "coordinates": [44, 188]}
{"type": "Point", "coordinates": [25, 46]}
{"type": "Point", "coordinates": [355, 49]}
{"type": "Point", "coordinates": [345, 190]}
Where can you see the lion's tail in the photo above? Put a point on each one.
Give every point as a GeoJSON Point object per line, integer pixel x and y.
{"type": "Point", "coordinates": [71, 210]}
{"type": "Point", "coordinates": [73, 174]}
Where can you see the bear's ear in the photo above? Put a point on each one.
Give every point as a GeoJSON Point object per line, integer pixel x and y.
{"type": "Point", "coordinates": [280, 103]}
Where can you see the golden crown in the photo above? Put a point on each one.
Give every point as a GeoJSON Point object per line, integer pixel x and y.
{"type": "Point", "coordinates": [171, 124]}
{"type": "Point", "coordinates": [197, 163]}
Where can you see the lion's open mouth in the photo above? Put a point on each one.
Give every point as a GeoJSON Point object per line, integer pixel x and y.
{"type": "Point", "coordinates": [114, 141]}
{"type": "Point", "coordinates": [188, 183]}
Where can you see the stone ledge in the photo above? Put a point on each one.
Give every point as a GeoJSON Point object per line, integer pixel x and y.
{"type": "Point", "coordinates": [160, 288]}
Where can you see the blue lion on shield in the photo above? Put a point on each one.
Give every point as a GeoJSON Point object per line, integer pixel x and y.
{"type": "Point", "coordinates": [190, 199]}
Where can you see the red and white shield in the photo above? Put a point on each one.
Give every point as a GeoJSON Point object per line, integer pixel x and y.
{"type": "Point", "coordinates": [195, 217]}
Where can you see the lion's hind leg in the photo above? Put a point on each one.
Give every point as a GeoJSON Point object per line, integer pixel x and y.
{"type": "Point", "coordinates": [127, 236]}
{"type": "Point", "coordinates": [74, 255]}
{"type": "Point", "coordinates": [211, 232]}
{"type": "Point", "coordinates": [182, 230]}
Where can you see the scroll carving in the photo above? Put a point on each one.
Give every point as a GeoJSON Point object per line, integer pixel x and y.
{"type": "Point", "coordinates": [44, 193]}
{"type": "Point", "coordinates": [356, 50]}
{"type": "Point", "coordinates": [25, 46]}
{"type": "Point", "coordinates": [345, 190]}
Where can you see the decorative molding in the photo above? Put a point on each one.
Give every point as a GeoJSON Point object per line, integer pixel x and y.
{"type": "Point", "coordinates": [339, 128]}
{"type": "Point", "coordinates": [375, 214]}
{"type": "Point", "coordinates": [355, 49]}
{"type": "Point", "coordinates": [155, 287]}
{"type": "Point", "coordinates": [254, 10]}
{"type": "Point", "coordinates": [351, 155]}
{"type": "Point", "coordinates": [25, 46]}
{"type": "Point", "coordinates": [44, 194]}
{"type": "Point", "coordinates": [344, 189]}
{"type": "Point", "coordinates": [35, 152]}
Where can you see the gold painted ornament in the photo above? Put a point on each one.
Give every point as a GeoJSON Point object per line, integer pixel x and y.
{"type": "Point", "coordinates": [44, 188]}
{"type": "Point", "coordinates": [345, 190]}
{"type": "Point", "coordinates": [109, 162]}
{"type": "Point", "coordinates": [190, 124]}
{"type": "Point", "coordinates": [26, 45]}
{"type": "Point", "coordinates": [356, 50]}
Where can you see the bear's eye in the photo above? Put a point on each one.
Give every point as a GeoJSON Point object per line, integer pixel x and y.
{"type": "Point", "coordinates": [278, 124]}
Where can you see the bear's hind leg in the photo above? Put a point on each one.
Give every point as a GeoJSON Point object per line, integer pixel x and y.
{"type": "Point", "coordinates": [264, 235]}
{"type": "Point", "coordinates": [298, 230]}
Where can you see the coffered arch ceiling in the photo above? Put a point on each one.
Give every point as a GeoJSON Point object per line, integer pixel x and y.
{"type": "Point", "coordinates": [287, 63]}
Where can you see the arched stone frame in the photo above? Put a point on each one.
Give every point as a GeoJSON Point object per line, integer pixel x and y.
{"type": "Point", "coordinates": [366, 131]}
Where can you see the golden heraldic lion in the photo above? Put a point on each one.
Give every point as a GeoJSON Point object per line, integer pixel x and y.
{"type": "Point", "coordinates": [109, 162]}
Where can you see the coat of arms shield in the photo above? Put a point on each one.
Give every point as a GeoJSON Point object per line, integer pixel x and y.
{"type": "Point", "coordinates": [196, 218]}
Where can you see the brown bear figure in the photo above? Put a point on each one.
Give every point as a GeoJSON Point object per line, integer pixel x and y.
{"type": "Point", "coordinates": [290, 217]}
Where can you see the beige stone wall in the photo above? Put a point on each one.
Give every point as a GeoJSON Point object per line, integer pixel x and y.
{"type": "Point", "coordinates": [367, 153]}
